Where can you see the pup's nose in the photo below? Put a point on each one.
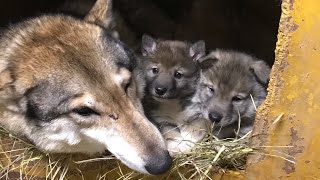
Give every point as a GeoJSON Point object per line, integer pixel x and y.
{"type": "Point", "coordinates": [215, 117]}
{"type": "Point", "coordinates": [161, 90]}
{"type": "Point", "coordinates": [159, 165]}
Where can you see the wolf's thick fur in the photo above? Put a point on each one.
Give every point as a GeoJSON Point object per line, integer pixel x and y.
{"type": "Point", "coordinates": [172, 76]}
{"type": "Point", "coordinates": [68, 86]}
{"type": "Point", "coordinates": [227, 88]}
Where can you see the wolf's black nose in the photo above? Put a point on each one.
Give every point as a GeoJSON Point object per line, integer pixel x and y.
{"type": "Point", "coordinates": [159, 165]}
{"type": "Point", "coordinates": [215, 117]}
{"type": "Point", "coordinates": [161, 90]}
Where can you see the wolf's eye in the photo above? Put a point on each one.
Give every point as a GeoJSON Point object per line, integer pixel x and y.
{"type": "Point", "coordinates": [211, 89]}
{"type": "Point", "coordinates": [155, 70]}
{"type": "Point", "coordinates": [85, 111]}
{"type": "Point", "coordinates": [237, 98]}
{"type": "Point", "coordinates": [125, 87]}
{"type": "Point", "coordinates": [178, 75]}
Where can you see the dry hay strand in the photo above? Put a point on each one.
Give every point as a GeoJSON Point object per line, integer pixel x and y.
{"type": "Point", "coordinates": [211, 156]}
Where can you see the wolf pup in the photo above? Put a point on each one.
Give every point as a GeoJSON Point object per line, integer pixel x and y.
{"type": "Point", "coordinates": [172, 76]}
{"type": "Point", "coordinates": [68, 86]}
{"type": "Point", "coordinates": [231, 90]}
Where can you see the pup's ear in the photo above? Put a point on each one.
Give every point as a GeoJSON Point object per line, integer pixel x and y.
{"type": "Point", "coordinates": [261, 71]}
{"type": "Point", "coordinates": [101, 14]}
{"type": "Point", "coordinates": [148, 45]}
{"type": "Point", "coordinates": [197, 50]}
{"type": "Point", "coordinates": [207, 61]}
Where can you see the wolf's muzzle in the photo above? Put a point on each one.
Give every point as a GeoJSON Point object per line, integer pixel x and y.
{"type": "Point", "coordinates": [215, 117]}
{"type": "Point", "coordinates": [159, 165]}
{"type": "Point", "coordinates": [160, 90]}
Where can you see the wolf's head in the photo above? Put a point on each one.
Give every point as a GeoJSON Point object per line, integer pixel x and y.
{"type": "Point", "coordinates": [229, 81]}
{"type": "Point", "coordinates": [69, 86]}
{"type": "Point", "coordinates": [171, 67]}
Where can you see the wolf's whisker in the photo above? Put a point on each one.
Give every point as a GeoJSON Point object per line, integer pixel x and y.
{"type": "Point", "coordinates": [173, 128]}
{"type": "Point", "coordinates": [254, 104]}
{"type": "Point", "coordinates": [239, 124]}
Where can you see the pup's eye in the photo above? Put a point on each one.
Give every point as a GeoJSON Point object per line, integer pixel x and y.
{"type": "Point", "coordinates": [178, 75]}
{"type": "Point", "coordinates": [237, 98]}
{"type": "Point", "coordinates": [85, 111]}
{"type": "Point", "coordinates": [155, 70]}
{"type": "Point", "coordinates": [211, 89]}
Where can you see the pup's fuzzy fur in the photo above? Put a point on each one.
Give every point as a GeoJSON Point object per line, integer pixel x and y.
{"type": "Point", "coordinates": [68, 86]}
{"type": "Point", "coordinates": [227, 87]}
{"type": "Point", "coordinates": [172, 76]}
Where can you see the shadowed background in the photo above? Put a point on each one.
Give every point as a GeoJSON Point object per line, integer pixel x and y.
{"type": "Point", "coordinates": [247, 25]}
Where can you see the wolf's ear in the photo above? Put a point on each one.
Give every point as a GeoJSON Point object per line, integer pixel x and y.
{"type": "Point", "coordinates": [101, 14]}
{"type": "Point", "coordinates": [123, 77]}
{"type": "Point", "coordinates": [148, 45]}
{"type": "Point", "coordinates": [261, 71]}
{"type": "Point", "coordinates": [197, 50]}
{"type": "Point", "coordinates": [208, 61]}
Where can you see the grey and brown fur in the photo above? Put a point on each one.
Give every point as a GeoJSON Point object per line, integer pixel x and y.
{"type": "Point", "coordinates": [231, 89]}
{"type": "Point", "coordinates": [68, 86]}
{"type": "Point", "coordinates": [172, 76]}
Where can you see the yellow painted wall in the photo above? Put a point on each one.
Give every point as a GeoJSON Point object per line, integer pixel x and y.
{"type": "Point", "coordinates": [294, 90]}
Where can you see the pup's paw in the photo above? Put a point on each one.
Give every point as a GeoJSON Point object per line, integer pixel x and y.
{"type": "Point", "coordinates": [178, 145]}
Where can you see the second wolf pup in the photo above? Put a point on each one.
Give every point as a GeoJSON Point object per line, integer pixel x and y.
{"type": "Point", "coordinates": [172, 76]}
{"type": "Point", "coordinates": [231, 90]}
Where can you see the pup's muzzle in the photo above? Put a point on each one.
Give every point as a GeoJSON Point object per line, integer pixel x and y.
{"type": "Point", "coordinates": [215, 117]}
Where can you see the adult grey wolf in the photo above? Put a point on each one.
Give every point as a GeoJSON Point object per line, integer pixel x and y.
{"type": "Point", "coordinates": [68, 86]}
